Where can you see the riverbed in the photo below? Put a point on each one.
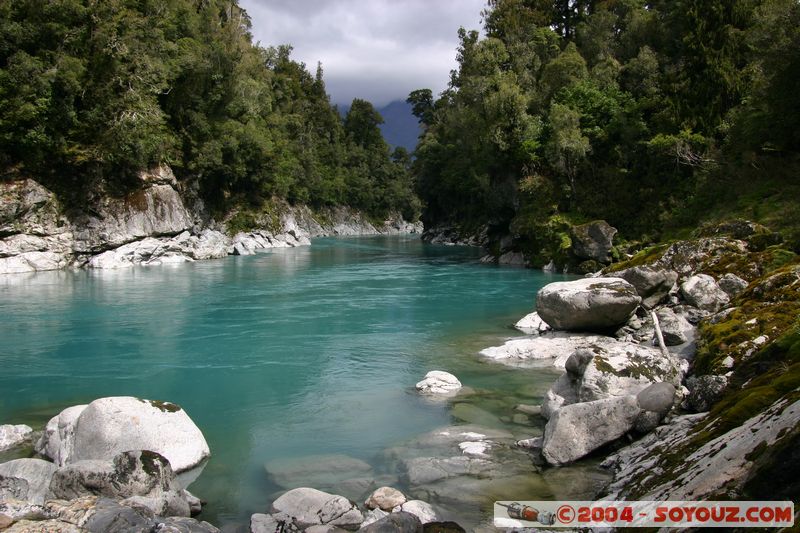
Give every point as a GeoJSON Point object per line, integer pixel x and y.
{"type": "Point", "coordinates": [281, 357]}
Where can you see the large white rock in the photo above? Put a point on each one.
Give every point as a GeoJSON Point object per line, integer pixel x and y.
{"type": "Point", "coordinates": [610, 370]}
{"type": "Point", "coordinates": [385, 498]}
{"type": "Point", "coordinates": [27, 480]}
{"type": "Point", "coordinates": [11, 436]}
{"type": "Point", "coordinates": [576, 430]}
{"type": "Point", "coordinates": [422, 510]}
{"type": "Point", "coordinates": [702, 292]}
{"type": "Point", "coordinates": [588, 304]}
{"type": "Point", "coordinates": [151, 211]}
{"type": "Point", "coordinates": [553, 347]}
{"type": "Point", "coordinates": [309, 507]}
{"type": "Point", "coordinates": [438, 382]}
{"type": "Point", "coordinates": [56, 441]}
{"type": "Point", "coordinates": [108, 426]}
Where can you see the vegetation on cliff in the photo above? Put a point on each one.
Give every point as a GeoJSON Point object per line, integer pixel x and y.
{"type": "Point", "coordinates": [651, 115]}
{"type": "Point", "coordinates": [94, 91]}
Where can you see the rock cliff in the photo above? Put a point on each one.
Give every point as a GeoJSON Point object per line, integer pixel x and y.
{"type": "Point", "coordinates": [160, 221]}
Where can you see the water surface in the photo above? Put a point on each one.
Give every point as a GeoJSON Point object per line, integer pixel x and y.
{"type": "Point", "coordinates": [294, 352]}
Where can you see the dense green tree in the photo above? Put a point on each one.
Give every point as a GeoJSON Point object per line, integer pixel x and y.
{"type": "Point", "coordinates": [97, 91]}
{"type": "Point", "coordinates": [572, 110]}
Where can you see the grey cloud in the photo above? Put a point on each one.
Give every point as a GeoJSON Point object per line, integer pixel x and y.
{"type": "Point", "coordinates": [374, 49]}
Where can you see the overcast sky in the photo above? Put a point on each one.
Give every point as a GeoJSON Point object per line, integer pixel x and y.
{"type": "Point", "coordinates": [379, 50]}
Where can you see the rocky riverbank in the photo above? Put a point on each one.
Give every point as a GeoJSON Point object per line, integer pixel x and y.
{"type": "Point", "coordinates": [162, 221]}
{"type": "Point", "coordinates": [680, 367]}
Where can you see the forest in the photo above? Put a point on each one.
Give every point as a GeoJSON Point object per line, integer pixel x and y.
{"type": "Point", "coordinates": [653, 115]}
{"type": "Point", "coordinates": [93, 91]}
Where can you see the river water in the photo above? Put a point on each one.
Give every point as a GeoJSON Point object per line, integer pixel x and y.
{"type": "Point", "coordinates": [277, 357]}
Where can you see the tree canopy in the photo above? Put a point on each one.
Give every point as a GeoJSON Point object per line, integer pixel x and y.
{"type": "Point", "coordinates": [98, 90]}
{"type": "Point", "coordinates": [624, 110]}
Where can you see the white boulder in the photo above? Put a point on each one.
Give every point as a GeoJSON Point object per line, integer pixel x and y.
{"type": "Point", "coordinates": [702, 291]}
{"type": "Point", "coordinates": [576, 430]}
{"type": "Point", "coordinates": [438, 382]}
{"type": "Point", "coordinates": [108, 426]}
{"type": "Point", "coordinates": [532, 324]}
{"type": "Point", "coordinates": [588, 304]}
{"type": "Point", "coordinates": [308, 507]}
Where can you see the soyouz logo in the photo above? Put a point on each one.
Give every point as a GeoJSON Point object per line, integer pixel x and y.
{"type": "Point", "coordinates": [643, 514]}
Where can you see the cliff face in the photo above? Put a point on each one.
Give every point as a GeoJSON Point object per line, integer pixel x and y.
{"type": "Point", "coordinates": [161, 221]}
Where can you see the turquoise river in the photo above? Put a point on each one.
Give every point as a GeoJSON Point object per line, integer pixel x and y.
{"type": "Point", "coordinates": [279, 356]}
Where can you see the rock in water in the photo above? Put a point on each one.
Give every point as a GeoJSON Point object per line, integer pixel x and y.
{"type": "Point", "coordinates": [702, 292]}
{"type": "Point", "coordinates": [422, 510]}
{"type": "Point", "coordinates": [438, 382]}
{"type": "Point", "coordinates": [108, 426]}
{"type": "Point", "coordinates": [385, 498]}
{"type": "Point", "coordinates": [590, 304]}
{"type": "Point", "coordinates": [307, 507]}
{"type": "Point", "coordinates": [651, 284]}
{"type": "Point", "coordinates": [11, 436]}
{"type": "Point", "coordinates": [322, 471]}
{"type": "Point", "coordinates": [593, 240]}
{"type": "Point", "coordinates": [532, 324]}
{"type": "Point", "coordinates": [36, 475]}
{"type": "Point", "coordinates": [576, 430]}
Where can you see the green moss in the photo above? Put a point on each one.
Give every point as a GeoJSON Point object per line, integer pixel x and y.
{"type": "Point", "coordinates": [644, 257]}
{"type": "Point", "coordinates": [770, 306]}
{"type": "Point", "coordinates": [166, 407]}
{"type": "Point", "coordinates": [266, 216]}
{"type": "Point", "coordinates": [602, 364]}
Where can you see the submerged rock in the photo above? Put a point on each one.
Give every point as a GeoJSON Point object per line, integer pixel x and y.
{"type": "Point", "coordinates": [108, 426]}
{"type": "Point", "coordinates": [12, 436]}
{"type": "Point", "coordinates": [589, 304]}
{"type": "Point", "coordinates": [438, 382]}
{"type": "Point", "coordinates": [324, 471]}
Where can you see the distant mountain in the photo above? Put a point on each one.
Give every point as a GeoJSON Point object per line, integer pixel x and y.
{"type": "Point", "coordinates": [400, 127]}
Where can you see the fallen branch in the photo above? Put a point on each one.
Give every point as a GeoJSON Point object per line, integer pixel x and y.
{"type": "Point", "coordinates": [659, 335]}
